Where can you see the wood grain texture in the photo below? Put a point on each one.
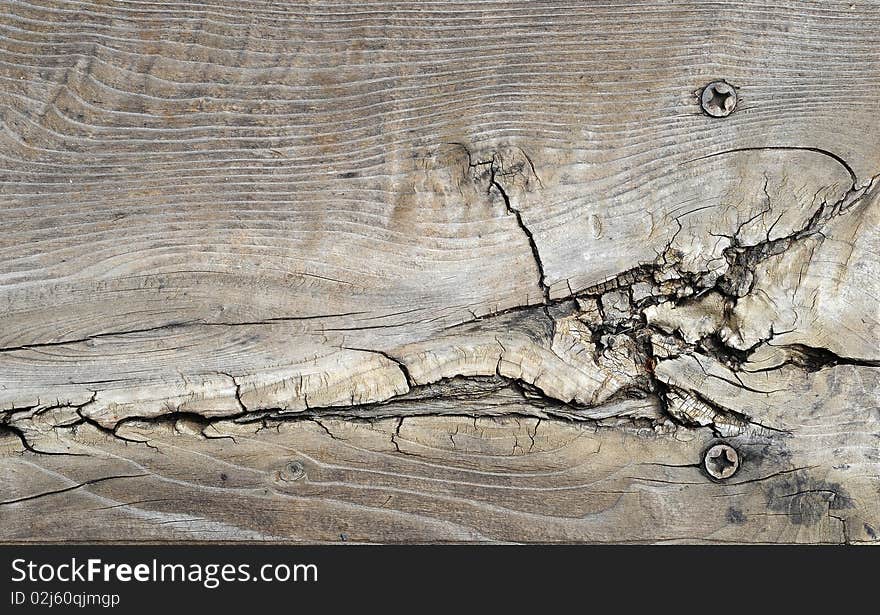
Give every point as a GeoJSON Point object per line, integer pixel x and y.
{"type": "Point", "coordinates": [478, 270]}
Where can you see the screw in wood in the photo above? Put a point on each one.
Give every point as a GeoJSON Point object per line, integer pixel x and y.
{"type": "Point", "coordinates": [721, 461]}
{"type": "Point", "coordinates": [718, 99]}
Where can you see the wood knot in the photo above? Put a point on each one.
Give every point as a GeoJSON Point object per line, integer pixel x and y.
{"type": "Point", "coordinates": [292, 471]}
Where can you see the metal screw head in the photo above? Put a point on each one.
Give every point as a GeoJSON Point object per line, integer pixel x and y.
{"type": "Point", "coordinates": [721, 461]}
{"type": "Point", "coordinates": [718, 99]}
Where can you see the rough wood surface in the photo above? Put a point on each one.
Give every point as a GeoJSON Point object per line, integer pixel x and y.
{"type": "Point", "coordinates": [442, 271]}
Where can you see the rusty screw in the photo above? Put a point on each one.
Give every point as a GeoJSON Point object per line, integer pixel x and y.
{"type": "Point", "coordinates": [721, 461]}
{"type": "Point", "coordinates": [718, 99]}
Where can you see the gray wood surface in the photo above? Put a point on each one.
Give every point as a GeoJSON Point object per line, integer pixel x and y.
{"type": "Point", "coordinates": [438, 271]}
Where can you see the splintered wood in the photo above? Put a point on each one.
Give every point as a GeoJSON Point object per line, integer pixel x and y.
{"type": "Point", "coordinates": [461, 271]}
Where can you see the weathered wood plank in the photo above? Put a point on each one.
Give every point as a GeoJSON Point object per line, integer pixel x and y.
{"type": "Point", "coordinates": [485, 269]}
{"type": "Point", "coordinates": [460, 478]}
